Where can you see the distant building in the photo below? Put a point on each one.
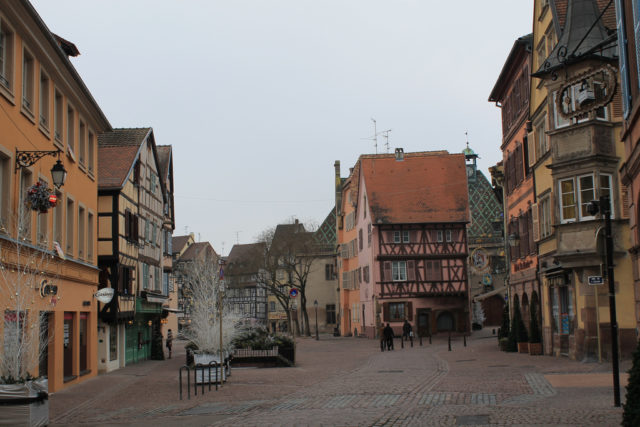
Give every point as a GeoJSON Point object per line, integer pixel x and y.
{"type": "Point", "coordinates": [402, 235]}
{"type": "Point", "coordinates": [246, 293]}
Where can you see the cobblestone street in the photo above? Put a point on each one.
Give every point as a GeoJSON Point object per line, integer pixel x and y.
{"type": "Point", "coordinates": [349, 382]}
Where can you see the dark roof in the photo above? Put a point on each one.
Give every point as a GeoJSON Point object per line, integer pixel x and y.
{"type": "Point", "coordinates": [522, 44]}
{"type": "Point", "coordinates": [123, 136]}
{"type": "Point", "coordinates": [67, 47]}
{"type": "Point", "coordinates": [427, 187]}
{"type": "Point", "coordinates": [199, 251]}
{"type": "Point", "coordinates": [245, 259]}
{"type": "Point", "coordinates": [584, 36]}
{"type": "Point", "coordinates": [178, 242]}
{"type": "Point", "coordinates": [114, 164]}
{"type": "Point", "coordinates": [164, 157]}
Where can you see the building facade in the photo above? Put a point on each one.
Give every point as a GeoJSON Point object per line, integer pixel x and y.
{"type": "Point", "coordinates": [410, 247]}
{"type": "Point", "coordinates": [520, 149]}
{"type": "Point", "coordinates": [132, 205]}
{"type": "Point", "coordinates": [577, 98]}
{"type": "Point", "coordinates": [627, 21]}
{"type": "Point", "coordinates": [246, 292]}
{"type": "Point", "coordinates": [47, 107]}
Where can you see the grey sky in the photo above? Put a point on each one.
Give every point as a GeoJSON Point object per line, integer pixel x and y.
{"type": "Point", "coordinates": [260, 97]}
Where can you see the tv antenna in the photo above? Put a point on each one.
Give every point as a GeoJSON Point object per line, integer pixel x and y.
{"type": "Point", "coordinates": [238, 237]}
{"type": "Point", "coordinates": [374, 138]}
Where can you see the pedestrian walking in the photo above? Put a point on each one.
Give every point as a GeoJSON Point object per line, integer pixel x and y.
{"type": "Point", "coordinates": [388, 335]}
{"type": "Point", "coordinates": [383, 340]}
{"type": "Point", "coordinates": [406, 330]}
{"type": "Point", "coordinates": [169, 341]}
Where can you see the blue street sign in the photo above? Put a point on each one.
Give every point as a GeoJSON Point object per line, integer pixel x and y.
{"type": "Point", "coordinates": [596, 280]}
{"type": "Point", "coordinates": [293, 293]}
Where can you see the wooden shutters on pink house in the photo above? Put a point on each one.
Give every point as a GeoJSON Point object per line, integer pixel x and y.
{"type": "Point", "coordinates": [408, 312]}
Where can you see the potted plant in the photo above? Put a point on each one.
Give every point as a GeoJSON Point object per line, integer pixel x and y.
{"type": "Point", "coordinates": [535, 338]}
{"type": "Point", "coordinates": [40, 198]}
{"type": "Point", "coordinates": [520, 330]}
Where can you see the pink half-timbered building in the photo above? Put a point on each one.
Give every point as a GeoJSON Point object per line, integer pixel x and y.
{"type": "Point", "coordinates": [410, 218]}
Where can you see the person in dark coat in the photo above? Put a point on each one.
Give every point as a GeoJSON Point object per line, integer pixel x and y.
{"type": "Point", "coordinates": [169, 341]}
{"type": "Point", "coordinates": [406, 330]}
{"type": "Point", "coordinates": [388, 336]}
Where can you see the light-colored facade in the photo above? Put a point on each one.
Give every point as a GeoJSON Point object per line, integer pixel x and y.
{"type": "Point", "coordinates": [580, 162]}
{"type": "Point", "coordinates": [47, 107]}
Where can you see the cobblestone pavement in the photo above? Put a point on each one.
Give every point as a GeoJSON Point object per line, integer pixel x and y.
{"type": "Point", "coordinates": [349, 382]}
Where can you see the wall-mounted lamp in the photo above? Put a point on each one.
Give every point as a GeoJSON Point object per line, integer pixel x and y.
{"type": "Point", "coordinates": [514, 240]}
{"type": "Point", "coordinates": [24, 159]}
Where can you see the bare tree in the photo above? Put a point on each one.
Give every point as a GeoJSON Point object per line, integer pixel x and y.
{"type": "Point", "coordinates": [28, 286]}
{"type": "Point", "coordinates": [292, 249]}
{"type": "Point", "coordinates": [202, 287]}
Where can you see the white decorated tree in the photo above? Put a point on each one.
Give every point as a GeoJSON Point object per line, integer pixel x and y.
{"type": "Point", "coordinates": [204, 291]}
{"type": "Point", "coordinates": [28, 288]}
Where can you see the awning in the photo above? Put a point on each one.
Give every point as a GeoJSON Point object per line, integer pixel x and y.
{"type": "Point", "coordinates": [172, 310]}
{"type": "Point", "coordinates": [157, 300]}
{"type": "Point", "coordinates": [489, 294]}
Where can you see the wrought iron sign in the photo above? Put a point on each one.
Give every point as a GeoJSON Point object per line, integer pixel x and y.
{"type": "Point", "coordinates": [586, 92]}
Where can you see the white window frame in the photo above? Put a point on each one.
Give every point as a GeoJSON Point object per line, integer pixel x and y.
{"type": "Point", "coordinates": [439, 236]}
{"type": "Point", "coordinates": [585, 217]}
{"type": "Point", "coordinates": [449, 236]}
{"type": "Point", "coordinates": [610, 190]}
{"type": "Point", "coordinates": [399, 271]}
{"type": "Point", "coordinates": [564, 220]}
{"type": "Point", "coordinates": [397, 237]}
{"type": "Point", "coordinates": [406, 236]}
{"type": "Point", "coordinates": [7, 37]}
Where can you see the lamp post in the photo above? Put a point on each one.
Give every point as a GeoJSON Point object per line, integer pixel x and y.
{"type": "Point", "coordinates": [24, 159]}
{"type": "Point", "coordinates": [220, 293]}
{"type": "Point", "coordinates": [315, 304]}
{"type": "Point", "coordinates": [604, 207]}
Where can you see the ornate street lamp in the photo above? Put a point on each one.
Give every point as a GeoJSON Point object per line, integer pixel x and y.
{"type": "Point", "coordinates": [24, 159]}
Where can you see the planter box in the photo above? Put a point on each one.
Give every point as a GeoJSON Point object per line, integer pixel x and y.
{"type": "Point", "coordinates": [535, 348]}
{"type": "Point", "coordinates": [31, 407]}
{"type": "Point", "coordinates": [523, 347]}
{"type": "Point", "coordinates": [202, 361]}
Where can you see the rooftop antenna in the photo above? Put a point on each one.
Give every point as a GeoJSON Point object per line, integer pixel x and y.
{"type": "Point", "coordinates": [186, 230]}
{"type": "Point", "coordinates": [466, 136]}
{"type": "Point", "coordinates": [374, 138]}
{"type": "Point", "coordinates": [222, 252]}
{"type": "Point", "coordinates": [385, 134]}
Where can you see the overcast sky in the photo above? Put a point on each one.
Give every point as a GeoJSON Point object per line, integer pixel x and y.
{"type": "Point", "coordinates": [259, 97]}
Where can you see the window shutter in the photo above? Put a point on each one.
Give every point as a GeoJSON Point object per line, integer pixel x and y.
{"type": "Point", "coordinates": [410, 311]}
{"type": "Point", "coordinates": [546, 136]}
{"type": "Point", "coordinates": [536, 222]}
{"type": "Point", "coordinates": [552, 208]}
{"type": "Point", "coordinates": [385, 312]}
{"type": "Point", "coordinates": [411, 270]}
{"type": "Point", "coordinates": [127, 224]}
{"type": "Point", "coordinates": [623, 60]}
{"type": "Point", "coordinates": [386, 274]}
{"type": "Point", "coordinates": [531, 147]}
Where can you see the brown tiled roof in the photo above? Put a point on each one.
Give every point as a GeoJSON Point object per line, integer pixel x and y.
{"type": "Point", "coordinates": [199, 251]}
{"type": "Point", "coordinates": [245, 259]}
{"type": "Point", "coordinates": [114, 164]}
{"type": "Point", "coordinates": [178, 242]}
{"type": "Point", "coordinates": [117, 152]}
{"type": "Point", "coordinates": [425, 187]}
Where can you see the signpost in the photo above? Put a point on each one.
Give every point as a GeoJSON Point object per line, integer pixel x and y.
{"type": "Point", "coordinates": [596, 280]}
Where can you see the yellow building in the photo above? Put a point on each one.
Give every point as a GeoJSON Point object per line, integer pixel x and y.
{"type": "Point", "coordinates": [576, 154]}
{"type": "Point", "coordinates": [46, 107]}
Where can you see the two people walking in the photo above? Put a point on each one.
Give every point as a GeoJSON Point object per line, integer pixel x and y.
{"type": "Point", "coordinates": [169, 343]}
{"type": "Point", "coordinates": [386, 335]}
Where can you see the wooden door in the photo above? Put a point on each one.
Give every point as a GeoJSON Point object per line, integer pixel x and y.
{"type": "Point", "coordinates": [422, 323]}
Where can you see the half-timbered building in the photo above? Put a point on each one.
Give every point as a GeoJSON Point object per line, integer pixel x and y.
{"type": "Point", "coordinates": [131, 203]}
{"type": "Point", "coordinates": [245, 291]}
{"type": "Point", "coordinates": [411, 212]}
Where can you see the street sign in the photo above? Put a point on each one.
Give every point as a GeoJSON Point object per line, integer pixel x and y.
{"type": "Point", "coordinates": [596, 280]}
{"type": "Point", "coordinates": [293, 293]}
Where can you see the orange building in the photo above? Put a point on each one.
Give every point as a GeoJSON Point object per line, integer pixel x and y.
{"type": "Point", "coordinates": [519, 148]}
{"type": "Point", "coordinates": [49, 254]}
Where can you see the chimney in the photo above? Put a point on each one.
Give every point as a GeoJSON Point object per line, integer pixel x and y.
{"type": "Point", "coordinates": [399, 154]}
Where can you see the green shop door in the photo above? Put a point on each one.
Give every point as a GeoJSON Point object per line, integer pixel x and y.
{"type": "Point", "coordinates": [131, 344]}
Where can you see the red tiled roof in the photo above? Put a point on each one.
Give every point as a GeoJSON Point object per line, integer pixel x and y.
{"type": "Point", "coordinates": [425, 187]}
{"type": "Point", "coordinates": [114, 164]}
{"type": "Point", "coordinates": [245, 259]}
{"type": "Point", "coordinates": [201, 251]}
{"type": "Point", "coordinates": [178, 242]}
